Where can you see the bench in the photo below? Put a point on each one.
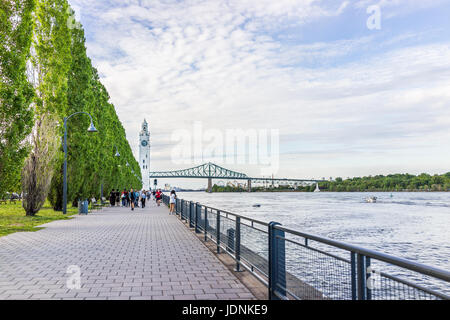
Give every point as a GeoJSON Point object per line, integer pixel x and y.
{"type": "Point", "coordinates": [3, 201]}
{"type": "Point", "coordinates": [95, 204]}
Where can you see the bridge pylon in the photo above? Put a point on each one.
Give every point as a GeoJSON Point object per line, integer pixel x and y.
{"type": "Point", "coordinates": [210, 185]}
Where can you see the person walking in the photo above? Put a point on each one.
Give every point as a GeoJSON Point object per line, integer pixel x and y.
{"type": "Point", "coordinates": [137, 195]}
{"type": "Point", "coordinates": [158, 197]}
{"type": "Point", "coordinates": [132, 196]}
{"type": "Point", "coordinates": [172, 202]}
{"type": "Point", "coordinates": [117, 197]}
{"type": "Point", "coordinates": [124, 198]}
{"type": "Point", "coordinates": [112, 198]}
{"type": "Point", "coordinates": [143, 198]}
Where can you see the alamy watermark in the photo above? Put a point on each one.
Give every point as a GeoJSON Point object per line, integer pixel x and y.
{"type": "Point", "coordinates": [74, 13]}
{"type": "Point", "coordinates": [374, 20]}
{"type": "Point", "coordinates": [74, 280]}
{"type": "Point", "coordinates": [231, 146]}
{"type": "Point", "coordinates": [373, 279]}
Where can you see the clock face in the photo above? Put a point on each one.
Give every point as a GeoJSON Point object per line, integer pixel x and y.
{"type": "Point", "coordinates": [144, 143]}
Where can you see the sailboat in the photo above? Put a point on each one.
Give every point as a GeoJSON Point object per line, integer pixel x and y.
{"type": "Point", "coordinates": [317, 188]}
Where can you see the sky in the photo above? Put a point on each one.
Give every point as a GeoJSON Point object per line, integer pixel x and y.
{"type": "Point", "coordinates": [340, 92]}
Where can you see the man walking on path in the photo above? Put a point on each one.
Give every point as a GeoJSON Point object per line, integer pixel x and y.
{"type": "Point", "coordinates": [143, 199]}
{"type": "Point", "coordinates": [112, 198]}
{"type": "Point", "coordinates": [132, 196]}
{"type": "Point", "coordinates": [117, 195]}
{"type": "Point", "coordinates": [158, 197]}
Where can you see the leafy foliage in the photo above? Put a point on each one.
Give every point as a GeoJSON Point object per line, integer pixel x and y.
{"type": "Point", "coordinates": [16, 93]}
{"type": "Point", "coordinates": [393, 182]}
{"type": "Point", "coordinates": [60, 80]}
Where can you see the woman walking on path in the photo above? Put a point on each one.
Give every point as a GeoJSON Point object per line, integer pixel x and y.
{"type": "Point", "coordinates": [132, 196]}
{"type": "Point", "coordinates": [112, 198]}
{"type": "Point", "coordinates": [173, 197]}
{"type": "Point", "coordinates": [122, 197]}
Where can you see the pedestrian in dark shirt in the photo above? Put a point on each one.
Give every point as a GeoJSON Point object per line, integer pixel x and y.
{"type": "Point", "coordinates": [112, 198]}
{"type": "Point", "coordinates": [132, 197]}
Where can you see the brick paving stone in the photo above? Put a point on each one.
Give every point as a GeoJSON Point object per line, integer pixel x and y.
{"type": "Point", "coordinates": [145, 254]}
{"type": "Point", "coordinates": [162, 298]}
{"type": "Point", "coordinates": [206, 297]}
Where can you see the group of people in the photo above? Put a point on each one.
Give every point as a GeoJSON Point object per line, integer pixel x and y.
{"type": "Point", "coordinates": [129, 198]}
{"type": "Point", "coordinates": [134, 198]}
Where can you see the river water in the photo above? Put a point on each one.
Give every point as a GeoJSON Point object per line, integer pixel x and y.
{"type": "Point", "coordinates": [414, 226]}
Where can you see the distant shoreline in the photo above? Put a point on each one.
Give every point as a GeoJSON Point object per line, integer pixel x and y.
{"type": "Point", "coordinates": [325, 191]}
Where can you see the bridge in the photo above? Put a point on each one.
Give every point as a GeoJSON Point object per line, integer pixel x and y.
{"type": "Point", "coordinates": [212, 171]}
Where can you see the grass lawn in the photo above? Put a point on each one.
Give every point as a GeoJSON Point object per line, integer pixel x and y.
{"type": "Point", "coordinates": [13, 218]}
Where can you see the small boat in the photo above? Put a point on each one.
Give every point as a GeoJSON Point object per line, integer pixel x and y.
{"type": "Point", "coordinates": [371, 200]}
{"type": "Point", "coordinates": [256, 206]}
{"type": "Point", "coordinates": [317, 188]}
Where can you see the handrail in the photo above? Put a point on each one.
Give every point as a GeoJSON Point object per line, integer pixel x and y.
{"type": "Point", "coordinates": [401, 262]}
{"type": "Point", "coordinates": [237, 215]}
{"type": "Point", "coordinates": [276, 231]}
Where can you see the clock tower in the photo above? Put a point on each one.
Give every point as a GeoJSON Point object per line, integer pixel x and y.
{"type": "Point", "coordinates": [144, 155]}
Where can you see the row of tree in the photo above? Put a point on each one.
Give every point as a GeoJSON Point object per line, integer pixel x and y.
{"type": "Point", "coordinates": [46, 75]}
{"type": "Point", "coordinates": [394, 182]}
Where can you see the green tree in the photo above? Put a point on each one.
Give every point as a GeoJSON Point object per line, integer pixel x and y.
{"type": "Point", "coordinates": [16, 93]}
{"type": "Point", "coordinates": [51, 60]}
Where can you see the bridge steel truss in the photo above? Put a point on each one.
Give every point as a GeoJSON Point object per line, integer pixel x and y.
{"type": "Point", "coordinates": [213, 171]}
{"type": "Point", "coordinates": [207, 170]}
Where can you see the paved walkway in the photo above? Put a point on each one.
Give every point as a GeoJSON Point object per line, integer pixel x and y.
{"type": "Point", "coordinates": [145, 254]}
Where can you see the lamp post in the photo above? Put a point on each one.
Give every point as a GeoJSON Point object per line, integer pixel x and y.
{"type": "Point", "coordinates": [117, 155]}
{"type": "Point", "coordinates": [91, 129]}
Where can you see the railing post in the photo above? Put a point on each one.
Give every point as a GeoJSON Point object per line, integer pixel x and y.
{"type": "Point", "coordinates": [353, 276]}
{"type": "Point", "coordinates": [368, 287]}
{"type": "Point", "coordinates": [218, 231]}
{"type": "Point", "coordinates": [362, 277]}
{"type": "Point", "coordinates": [191, 213]}
{"type": "Point", "coordinates": [206, 224]}
{"type": "Point", "coordinates": [197, 209]}
{"type": "Point", "coordinates": [181, 208]}
{"type": "Point", "coordinates": [237, 243]}
{"type": "Point", "coordinates": [277, 263]}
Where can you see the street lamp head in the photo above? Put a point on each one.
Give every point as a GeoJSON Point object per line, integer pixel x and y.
{"type": "Point", "coordinates": [117, 152]}
{"type": "Point", "coordinates": [92, 128]}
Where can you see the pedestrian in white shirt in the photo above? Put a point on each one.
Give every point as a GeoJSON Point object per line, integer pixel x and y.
{"type": "Point", "coordinates": [173, 197]}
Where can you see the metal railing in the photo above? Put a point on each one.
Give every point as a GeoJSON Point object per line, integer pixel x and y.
{"type": "Point", "coordinates": [297, 265]}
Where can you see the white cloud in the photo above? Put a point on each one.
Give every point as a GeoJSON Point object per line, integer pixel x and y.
{"type": "Point", "coordinates": [178, 62]}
